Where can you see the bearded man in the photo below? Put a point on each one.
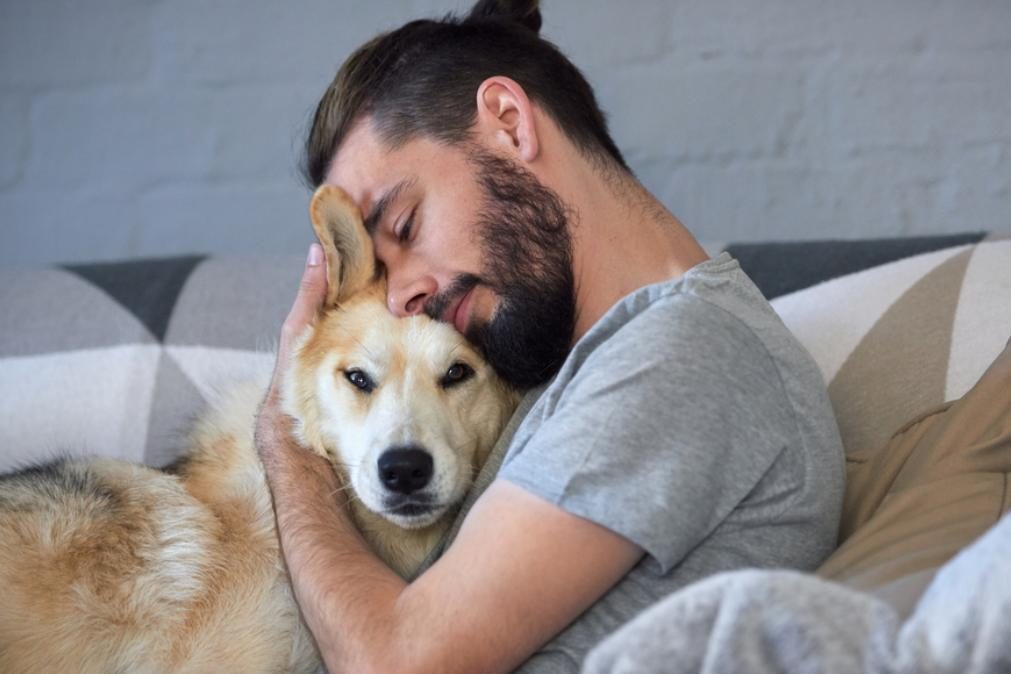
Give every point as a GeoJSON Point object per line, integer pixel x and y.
{"type": "Point", "coordinates": [674, 427]}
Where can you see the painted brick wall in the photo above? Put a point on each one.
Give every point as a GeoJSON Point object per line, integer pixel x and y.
{"type": "Point", "coordinates": [148, 127]}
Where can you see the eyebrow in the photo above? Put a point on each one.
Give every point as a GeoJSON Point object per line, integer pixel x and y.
{"type": "Point", "coordinates": [373, 219]}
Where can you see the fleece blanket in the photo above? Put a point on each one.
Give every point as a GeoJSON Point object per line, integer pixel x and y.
{"type": "Point", "coordinates": [765, 622]}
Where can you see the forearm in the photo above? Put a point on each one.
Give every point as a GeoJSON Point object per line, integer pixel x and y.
{"type": "Point", "coordinates": [348, 596]}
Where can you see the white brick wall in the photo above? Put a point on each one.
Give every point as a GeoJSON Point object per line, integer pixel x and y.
{"type": "Point", "coordinates": [148, 127]}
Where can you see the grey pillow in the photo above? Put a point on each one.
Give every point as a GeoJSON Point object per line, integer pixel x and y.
{"type": "Point", "coordinates": [117, 359]}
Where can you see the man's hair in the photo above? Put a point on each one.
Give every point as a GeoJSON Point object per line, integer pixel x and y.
{"type": "Point", "coordinates": [422, 80]}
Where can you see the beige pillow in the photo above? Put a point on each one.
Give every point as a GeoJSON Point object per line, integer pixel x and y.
{"type": "Point", "coordinates": [891, 342]}
{"type": "Point", "coordinates": [936, 486]}
{"type": "Point", "coordinates": [895, 340]}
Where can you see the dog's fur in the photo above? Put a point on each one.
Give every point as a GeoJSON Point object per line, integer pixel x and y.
{"type": "Point", "coordinates": [111, 567]}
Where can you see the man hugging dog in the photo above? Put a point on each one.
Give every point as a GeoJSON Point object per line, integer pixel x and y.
{"type": "Point", "coordinates": [673, 427]}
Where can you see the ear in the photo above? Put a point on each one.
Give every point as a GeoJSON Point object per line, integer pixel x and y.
{"type": "Point", "coordinates": [505, 117]}
{"type": "Point", "coordinates": [350, 259]}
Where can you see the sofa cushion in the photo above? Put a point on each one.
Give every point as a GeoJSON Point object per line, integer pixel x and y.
{"type": "Point", "coordinates": [897, 344]}
{"type": "Point", "coordinates": [116, 359]}
{"type": "Point", "coordinates": [788, 266]}
{"type": "Point", "coordinates": [937, 485]}
{"type": "Point", "coordinates": [901, 338]}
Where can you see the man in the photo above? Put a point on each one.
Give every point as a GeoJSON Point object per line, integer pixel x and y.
{"type": "Point", "coordinates": [682, 430]}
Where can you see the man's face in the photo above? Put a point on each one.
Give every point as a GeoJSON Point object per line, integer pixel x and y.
{"type": "Point", "coordinates": [472, 239]}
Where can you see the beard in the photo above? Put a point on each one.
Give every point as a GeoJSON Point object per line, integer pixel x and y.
{"type": "Point", "coordinates": [526, 250]}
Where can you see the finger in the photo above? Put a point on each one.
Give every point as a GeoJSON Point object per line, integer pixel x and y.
{"type": "Point", "coordinates": [311, 293]}
{"type": "Point", "coordinates": [308, 301]}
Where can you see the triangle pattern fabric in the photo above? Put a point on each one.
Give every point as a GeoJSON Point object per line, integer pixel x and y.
{"type": "Point", "coordinates": [147, 288]}
{"type": "Point", "coordinates": [215, 371]}
{"type": "Point", "coordinates": [983, 320]}
{"type": "Point", "coordinates": [900, 367]}
{"type": "Point", "coordinates": [830, 319]}
{"type": "Point", "coordinates": [51, 310]}
{"type": "Point", "coordinates": [812, 262]}
{"type": "Point", "coordinates": [235, 303]}
{"type": "Point", "coordinates": [175, 406]}
{"type": "Point", "coordinates": [75, 403]}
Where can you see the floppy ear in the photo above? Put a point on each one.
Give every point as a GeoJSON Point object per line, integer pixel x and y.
{"type": "Point", "coordinates": [350, 259]}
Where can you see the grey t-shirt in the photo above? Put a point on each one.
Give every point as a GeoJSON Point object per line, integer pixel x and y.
{"type": "Point", "coordinates": [690, 421]}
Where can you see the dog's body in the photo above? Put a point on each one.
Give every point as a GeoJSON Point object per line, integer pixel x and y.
{"type": "Point", "coordinates": [112, 567]}
{"type": "Point", "coordinates": [107, 566]}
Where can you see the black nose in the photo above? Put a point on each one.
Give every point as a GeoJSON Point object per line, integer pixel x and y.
{"type": "Point", "coordinates": [405, 470]}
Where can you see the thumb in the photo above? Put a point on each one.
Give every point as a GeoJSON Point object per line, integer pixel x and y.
{"type": "Point", "coordinates": [308, 301]}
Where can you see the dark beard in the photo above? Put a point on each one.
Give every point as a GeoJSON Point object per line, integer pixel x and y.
{"type": "Point", "coordinates": [527, 259]}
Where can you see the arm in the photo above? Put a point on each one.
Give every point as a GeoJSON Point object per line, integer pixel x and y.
{"type": "Point", "coordinates": [519, 571]}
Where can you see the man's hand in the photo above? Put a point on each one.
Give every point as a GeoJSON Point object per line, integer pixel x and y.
{"type": "Point", "coordinates": [293, 474]}
{"type": "Point", "coordinates": [273, 427]}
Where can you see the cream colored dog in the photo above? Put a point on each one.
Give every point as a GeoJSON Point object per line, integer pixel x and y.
{"type": "Point", "coordinates": [111, 567]}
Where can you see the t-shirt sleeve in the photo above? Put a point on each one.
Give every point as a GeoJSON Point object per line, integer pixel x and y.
{"type": "Point", "coordinates": [664, 429]}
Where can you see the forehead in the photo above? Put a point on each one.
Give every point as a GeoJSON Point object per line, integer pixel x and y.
{"type": "Point", "coordinates": [366, 167]}
{"type": "Point", "coordinates": [359, 156]}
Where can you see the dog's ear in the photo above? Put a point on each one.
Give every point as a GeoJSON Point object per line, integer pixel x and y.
{"type": "Point", "coordinates": [350, 258]}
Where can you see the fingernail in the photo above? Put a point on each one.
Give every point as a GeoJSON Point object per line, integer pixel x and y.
{"type": "Point", "coordinates": [315, 256]}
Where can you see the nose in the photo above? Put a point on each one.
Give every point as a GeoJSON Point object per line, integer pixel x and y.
{"type": "Point", "coordinates": [408, 298]}
{"type": "Point", "coordinates": [405, 470]}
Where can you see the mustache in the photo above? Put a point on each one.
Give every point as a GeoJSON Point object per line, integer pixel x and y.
{"type": "Point", "coordinates": [461, 285]}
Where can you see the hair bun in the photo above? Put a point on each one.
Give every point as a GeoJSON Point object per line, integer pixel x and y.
{"type": "Point", "coordinates": [524, 12]}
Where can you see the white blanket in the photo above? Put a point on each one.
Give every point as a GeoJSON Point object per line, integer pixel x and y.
{"type": "Point", "coordinates": [760, 622]}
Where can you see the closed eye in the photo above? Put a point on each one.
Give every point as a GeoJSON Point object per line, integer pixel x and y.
{"type": "Point", "coordinates": [405, 229]}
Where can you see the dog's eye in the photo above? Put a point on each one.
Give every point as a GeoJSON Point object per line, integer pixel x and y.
{"type": "Point", "coordinates": [359, 380]}
{"type": "Point", "coordinates": [457, 373]}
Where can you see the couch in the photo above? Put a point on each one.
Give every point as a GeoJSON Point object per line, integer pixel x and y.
{"type": "Point", "coordinates": [117, 359]}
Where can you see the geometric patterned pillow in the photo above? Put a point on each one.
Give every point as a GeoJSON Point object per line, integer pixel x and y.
{"type": "Point", "coordinates": [939, 483]}
{"type": "Point", "coordinates": [896, 343]}
{"type": "Point", "coordinates": [897, 339]}
{"type": "Point", "coordinates": [116, 359]}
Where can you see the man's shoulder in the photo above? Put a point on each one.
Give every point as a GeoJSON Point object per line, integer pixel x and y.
{"type": "Point", "coordinates": [676, 351]}
{"type": "Point", "coordinates": [703, 316]}
{"type": "Point", "coordinates": [691, 352]}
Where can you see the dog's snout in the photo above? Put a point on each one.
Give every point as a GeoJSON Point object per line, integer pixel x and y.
{"type": "Point", "coordinates": [405, 470]}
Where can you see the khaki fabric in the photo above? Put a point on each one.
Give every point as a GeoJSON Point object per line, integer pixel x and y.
{"type": "Point", "coordinates": [936, 486]}
{"type": "Point", "coordinates": [904, 337]}
{"type": "Point", "coordinates": [900, 365]}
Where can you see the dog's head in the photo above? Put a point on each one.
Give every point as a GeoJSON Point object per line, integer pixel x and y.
{"type": "Point", "coordinates": [405, 408]}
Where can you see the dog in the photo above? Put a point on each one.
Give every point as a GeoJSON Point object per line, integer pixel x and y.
{"type": "Point", "coordinates": [107, 566]}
